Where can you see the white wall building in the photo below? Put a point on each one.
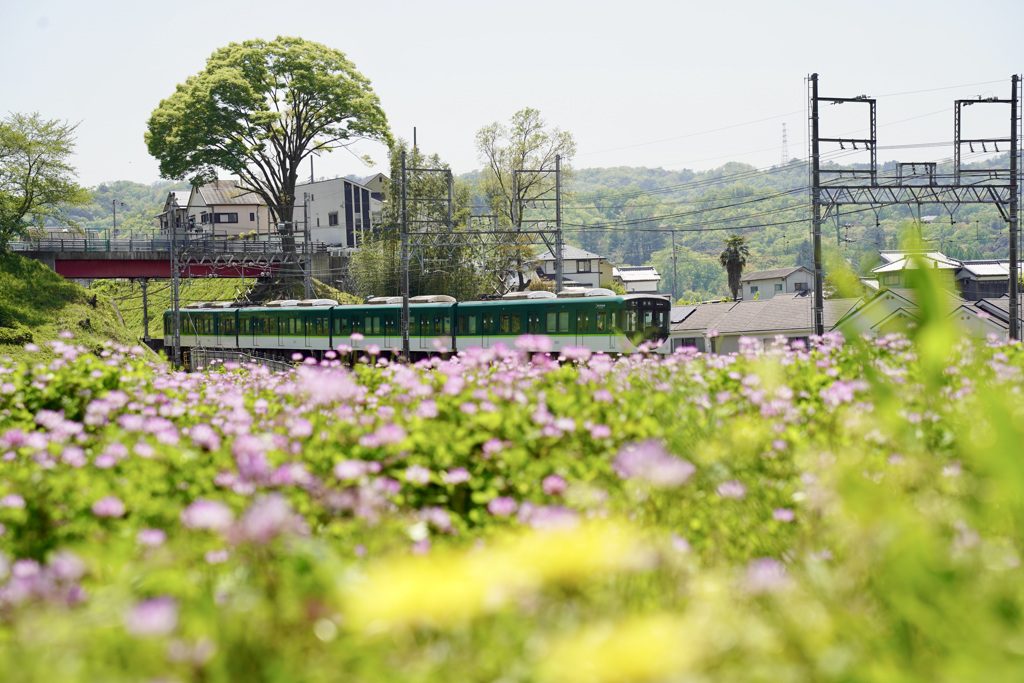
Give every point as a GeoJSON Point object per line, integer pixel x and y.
{"type": "Point", "coordinates": [579, 265]}
{"type": "Point", "coordinates": [764, 284]}
{"type": "Point", "coordinates": [638, 279]}
{"type": "Point", "coordinates": [223, 209]}
{"type": "Point", "coordinates": [339, 211]}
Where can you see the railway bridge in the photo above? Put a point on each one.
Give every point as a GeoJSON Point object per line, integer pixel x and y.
{"type": "Point", "coordinates": [90, 259]}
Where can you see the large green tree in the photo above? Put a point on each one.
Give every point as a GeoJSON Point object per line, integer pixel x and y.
{"type": "Point", "coordinates": [518, 159]}
{"type": "Point", "coordinates": [734, 258]}
{"type": "Point", "coordinates": [257, 110]}
{"type": "Point", "coordinates": [37, 180]}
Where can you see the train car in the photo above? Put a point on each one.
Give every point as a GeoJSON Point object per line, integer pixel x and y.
{"type": "Point", "coordinates": [286, 325]}
{"type": "Point", "coordinates": [205, 324]}
{"type": "Point", "coordinates": [597, 319]}
{"type": "Point", "coordinates": [378, 323]}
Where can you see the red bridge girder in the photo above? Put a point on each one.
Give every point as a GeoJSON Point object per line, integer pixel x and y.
{"type": "Point", "coordinates": [136, 268]}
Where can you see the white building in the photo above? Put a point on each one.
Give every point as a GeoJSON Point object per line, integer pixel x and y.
{"type": "Point", "coordinates": [579, 265]}
{"type": "Point", "coordinates": [339, 211]}
{"type": "Point", "coordinates": [637, 279]}
{"type": "Point", "coordinates": [222, 209]}
{"type": "Point", "coordinates": [764, 284]}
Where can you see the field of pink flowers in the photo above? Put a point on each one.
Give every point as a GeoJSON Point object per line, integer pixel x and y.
{"type": "Point", "coordinates": [833, 513]}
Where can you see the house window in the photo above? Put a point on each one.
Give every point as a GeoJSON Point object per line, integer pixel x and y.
{"type": "Point", "coordinates": [753, 289]}
{"type": "Point", "coordinates": [778, 288]}
{"type": "Point", "coordinates": [799, 286]}
{"type": "Point", "coordinates": [225, 218]}
{"type": "Point", "coordinates": [204, 217]}
{"type": "Point", "coordinates": [891, 279]}
{"type": "Point", "coordinates": [332, 218]}
{"type": "Point", "coordinates": [583, 266]}
{"type": "Point", "coordinates": [252, 217]}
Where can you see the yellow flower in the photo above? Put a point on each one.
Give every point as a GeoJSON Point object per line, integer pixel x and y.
{"type": "Point", "coordinates": [448, 587]}
{"type": "Point", "coordinates": [648, 648]}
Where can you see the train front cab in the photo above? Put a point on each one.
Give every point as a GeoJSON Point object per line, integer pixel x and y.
{"type": "Point", "coordinates": [645, 318]}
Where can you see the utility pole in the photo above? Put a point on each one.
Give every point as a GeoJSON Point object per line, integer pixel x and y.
{"type": "Point", "coordinates": [113, 205]}
{"type": "Point", "coordinates": [675, 274]}
{"type": "Point", "coordinates": [307, 284]}
{"type": "Point", "coordinates": [405, 266]}
{"type": "Point", "coordinates": [558, 224]}
{"type": "Point", "coordinates": [819, 294]}
{"type": "Point", "coordinates": [172, 224]}
{"type": "Point", "coordinates": [1014, 270]}
{"type": "Point", "coordinates": [145, 310]}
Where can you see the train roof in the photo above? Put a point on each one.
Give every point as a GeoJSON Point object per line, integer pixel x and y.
{"type": "Point", "coordinates": [425, 302]}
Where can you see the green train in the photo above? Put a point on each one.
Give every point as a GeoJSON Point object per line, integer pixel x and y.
{"type": "Point", "coordinates": [597, 319]}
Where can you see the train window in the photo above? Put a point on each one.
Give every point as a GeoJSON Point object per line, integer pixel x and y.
{"type": "Point", "coordinates": [376, 324]}
{"type": "Point", "coordinates": [460, 326]}
{"type": "Point", "coordinates": [648, 319]}
{"type": "Point", "coordinates": [367, 325]}
{"type": "Point", "coordinates": [552, 323]}
{"type": "Point", "coordinates": [437, 325]}
{"type": "Point", "coordinates": [503, 323]}
{"type": "Point", "coordinates": [629, 321]}
{"type": "Point", "coordinates": [447, 322]}
{"type": "Point", "coordinates": [471, 324]}
{"type": "Point", "coordinates": [517, 323]}
{"type": "Point", "coordinates": [563, 321]}
{"type": "Point", "coordinates": [600, 320]}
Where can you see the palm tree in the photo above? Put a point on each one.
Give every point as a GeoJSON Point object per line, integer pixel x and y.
{"type": "Point", "coordinates": [733, 259]}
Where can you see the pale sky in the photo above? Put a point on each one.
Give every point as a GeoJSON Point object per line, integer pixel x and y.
{"type": "Point", "coordinates": [642, 83]}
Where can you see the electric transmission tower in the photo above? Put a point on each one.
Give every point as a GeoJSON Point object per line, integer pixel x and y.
{"type": "Point", "coordinates": [785, 148]}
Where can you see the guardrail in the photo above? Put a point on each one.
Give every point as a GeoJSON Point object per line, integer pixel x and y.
{"type": "Point", "coordinates": [206, 246]}
{"type": "Point", "coordinates": [202, 358]}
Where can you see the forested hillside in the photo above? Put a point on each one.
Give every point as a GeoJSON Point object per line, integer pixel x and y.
{"type": "Point", "coordinates": [642, 216]}
{"type": "Point", "coordinates": [632, 216]}
{"type": "Point", "coordinates": [136, 207]}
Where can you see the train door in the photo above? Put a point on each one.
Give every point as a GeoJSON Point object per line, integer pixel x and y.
{"type": "Point", "coordinates": [389, 332]}
{"type": "Point", "coordinates": [488, 328]}
{"type": "Point", "coordinates": [583, 323]}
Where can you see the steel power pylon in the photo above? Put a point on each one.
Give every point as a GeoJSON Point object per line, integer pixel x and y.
{"type": "Point", "coordinates": [832, 188]}
{"type": "Point", "coordinates": [546, 235]}
{"type": "Point", "coordinates": [481, 239]}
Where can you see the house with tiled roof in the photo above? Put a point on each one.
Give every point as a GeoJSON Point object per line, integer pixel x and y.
{"type": "Point", "coordinates": [785, 315]}
{"type": "Point", "coordinates": [579, 265]}
{"type": "Point", "coordinates": [975, 279]}
{"type": "Point", "coordinates": [637, 279]}
{"type": "Point", "coordinates": [180, 216]}
{"type": "Point", "coordinates": [764, 284]}
{"type": "Point", "coordinates": [689, 326]}
{"type": "Point", "coordinates": [983, 279]}
{"type": "Point", "coordinates": [894, 311]}
{"type": "Point", "coordinates": [223, 208]}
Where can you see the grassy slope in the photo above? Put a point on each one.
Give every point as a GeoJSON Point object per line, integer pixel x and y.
{"type": "Point", "coordinates": [33, 296]}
